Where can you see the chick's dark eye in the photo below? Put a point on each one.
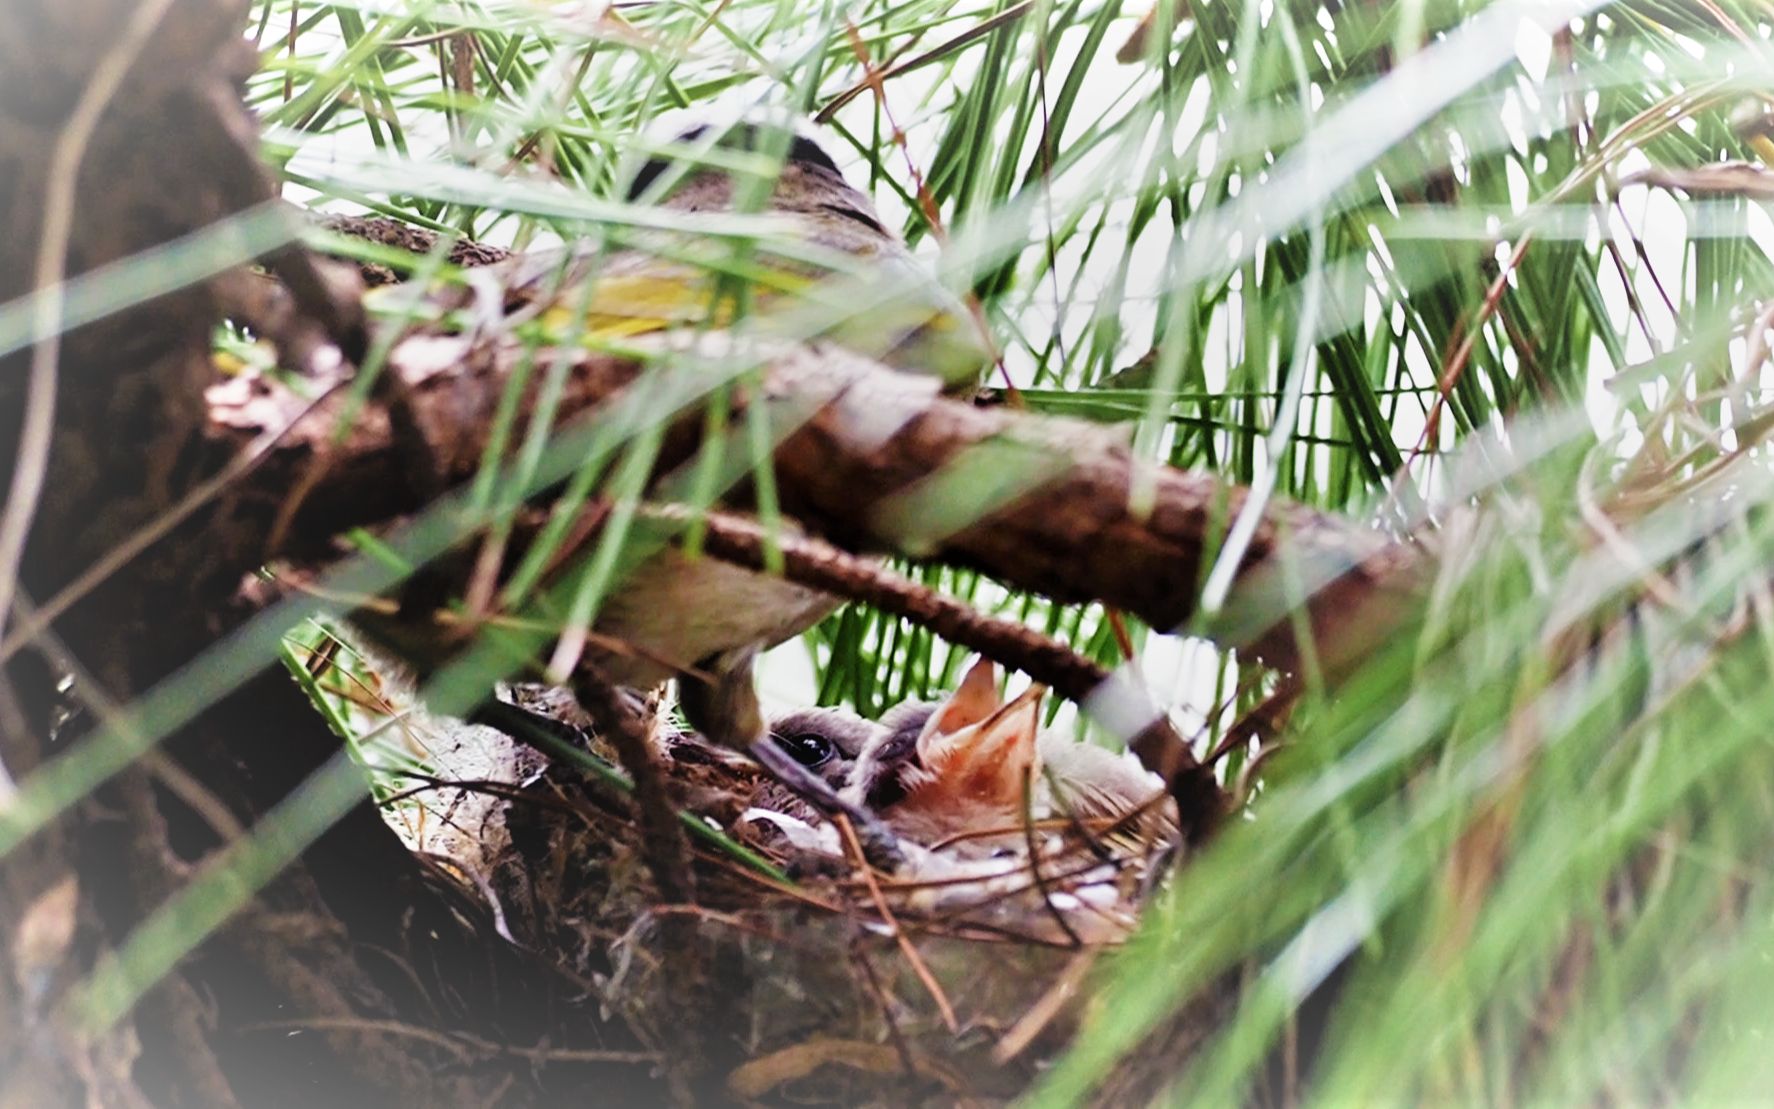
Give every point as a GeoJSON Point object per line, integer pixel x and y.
{"type": "Point", "coordinates": [807, 748]}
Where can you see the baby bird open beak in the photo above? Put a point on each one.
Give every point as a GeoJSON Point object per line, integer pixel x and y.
{"type": "Point", "coordinates": [975, 757]}
{"type": "Point", "coordinates": [984, 760]}
{"type": "Point", "coordinates": [958, 768]}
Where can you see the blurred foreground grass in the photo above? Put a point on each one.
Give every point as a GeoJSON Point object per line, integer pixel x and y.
{"type": "Point", "coordinates": [1413, 261]}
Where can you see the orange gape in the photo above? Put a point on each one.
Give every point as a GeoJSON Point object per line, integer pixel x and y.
{"type": "Point", "coordinates": [976, 754]}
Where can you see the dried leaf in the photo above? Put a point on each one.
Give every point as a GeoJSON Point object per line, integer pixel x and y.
{"type": "Point", "coordinates": [43, 935]}
{"type": "Point", "coordinates": [760, 1076]}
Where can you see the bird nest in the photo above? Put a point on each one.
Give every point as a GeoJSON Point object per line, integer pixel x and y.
{"type": "Point", "coordinates": [787, 966]}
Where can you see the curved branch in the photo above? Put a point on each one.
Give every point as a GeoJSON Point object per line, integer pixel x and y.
{"type": "Point", "coordinates": [873, 460]}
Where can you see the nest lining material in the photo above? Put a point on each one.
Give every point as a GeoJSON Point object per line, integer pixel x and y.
{"type": "Point", "coordinates": [957, 971]}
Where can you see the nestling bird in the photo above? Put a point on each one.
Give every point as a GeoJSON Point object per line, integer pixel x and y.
{"type": "Point", "coordinates": [824, 741]}
{"type": "Point", "coordinates": [827, 742]}
{"type": "Point", "coordinates": [962, 764]}
{"type": "Point", "coordinates": [976, 762]}
{"type": "Point", "coordinates": [936, 772]}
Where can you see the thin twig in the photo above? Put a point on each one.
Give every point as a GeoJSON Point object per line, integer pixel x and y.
{"type": "Point", "coordinates": [1265, 719]}
{"type": "Point", "coordinates": [1755, 355]}
{"type": "Point", "coordinates": [60, 186]}
{"type": "Point", "coordinates": [808, 561]}
{"type": "Point", "coordinates": [912, 958]}
{"type": "Point", "coordinates": [927, 204]}
{"type": "Point", "coordinates": [1034, 848]}
{"type": "Point", "coordinates": [92, 696]}
{"type": "Point", "coordinates": [879, 993]}
{"type": "Point", "coordinates": [813, 562]}
{"type": "Point", "coordinates": [663, 846]}
{"type": "Point", "coordinates": [199, 798]}
{"type": "Point", "coordinates": [1634, 306]}
{"type": "Point", "coordinates": [1456, 363]}
{"type": "Point", "coordinates": [1048, 1006]}
{"type": "Point", "coordinates": [873, 76]}
{"type": "Point", "coordinates": [1644, 261]}
{"type": "Point", "coordinates": [143, 537]}
{"type": "Point", "coordinates": [458, 1043]}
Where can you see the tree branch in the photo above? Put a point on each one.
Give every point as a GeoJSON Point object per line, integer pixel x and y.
{"type": "Point", "coordinates": [881, 464]}
{"type": "Point", "coordinates": [811, 562]}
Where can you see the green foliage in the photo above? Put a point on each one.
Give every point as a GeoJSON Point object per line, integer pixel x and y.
{"type": "Point", "coordinates": [1383, 258]}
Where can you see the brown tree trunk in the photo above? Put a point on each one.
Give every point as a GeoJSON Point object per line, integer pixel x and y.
{"type": "Point", "coordinates": [311, 994]}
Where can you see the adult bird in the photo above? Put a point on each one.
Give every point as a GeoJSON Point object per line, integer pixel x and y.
{"type": "Point", "coordinates": [820, 262]}
{"type": "Point", "coordinates": [829, 268]}
{"type": "Point", "coordinates": [891, 309]}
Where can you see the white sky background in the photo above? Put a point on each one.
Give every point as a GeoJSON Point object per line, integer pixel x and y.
{"type": "Point", "coordinates": [1181, 673]}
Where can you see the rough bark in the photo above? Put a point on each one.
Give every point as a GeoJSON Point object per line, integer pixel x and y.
{"type": "Point", "coordinates": [306, 992]}
{"type": "Point", "coordinates": [866, 455]}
